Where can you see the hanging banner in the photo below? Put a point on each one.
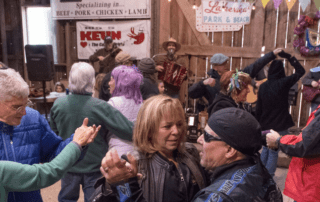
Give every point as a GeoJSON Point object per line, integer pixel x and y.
{"type": "Point", "coordinates": [219, 15]}
{"type": "Point", "coordinates": [132, 37]}
{"type": "Point", "coordinates": [100, 9]}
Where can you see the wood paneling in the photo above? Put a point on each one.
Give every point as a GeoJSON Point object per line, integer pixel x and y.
{"type": "Point", "coordinates": [269, 27]}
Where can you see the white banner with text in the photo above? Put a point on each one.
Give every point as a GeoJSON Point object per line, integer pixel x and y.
{"type": "Point", "coordinates": [132, 37]}
{"type": "Point", "coordinates": [100, 9]}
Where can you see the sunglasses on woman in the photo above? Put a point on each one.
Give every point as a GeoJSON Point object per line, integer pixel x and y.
{"type": "Point", "coordinates": [209, 138]}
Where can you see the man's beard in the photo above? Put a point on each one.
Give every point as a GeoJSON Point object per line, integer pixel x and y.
{"type": "Point", "coordinates": [170, 54]}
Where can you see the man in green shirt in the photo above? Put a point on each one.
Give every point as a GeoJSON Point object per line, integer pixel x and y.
{"type": "Point", "coordinates": [68, 112]}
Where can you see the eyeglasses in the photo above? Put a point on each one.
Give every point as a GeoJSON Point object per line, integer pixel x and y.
{"type": "Point", "coordinates": [20, 109]}
{"type": "Point", "coordinates": [209, 138]}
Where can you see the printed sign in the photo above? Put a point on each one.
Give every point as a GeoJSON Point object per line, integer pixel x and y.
{"type": "Point", "coordinates": [132, 37]}
{"type": "Point", "coordinates": [219, 15]}
{"type": "Point", "coordinates": [100, 9]}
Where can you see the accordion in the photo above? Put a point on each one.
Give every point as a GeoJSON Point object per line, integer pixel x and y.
{"type": "Point", "coordinates": [309, 93]}
{"type": "Point", "coordinates": [173, 73]}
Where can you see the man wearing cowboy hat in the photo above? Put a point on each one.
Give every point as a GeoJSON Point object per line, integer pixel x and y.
{"type": "Point", "coordinates": [171, 46]}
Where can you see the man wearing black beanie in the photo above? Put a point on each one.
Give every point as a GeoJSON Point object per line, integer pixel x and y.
{"type": "Point", "coordinates": [231, 152]}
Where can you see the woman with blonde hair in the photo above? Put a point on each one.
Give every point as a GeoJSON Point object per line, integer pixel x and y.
{"type": "Point", "coordinates": [170, 167]}
{"type": "Point", "coordinates": [233, 92]}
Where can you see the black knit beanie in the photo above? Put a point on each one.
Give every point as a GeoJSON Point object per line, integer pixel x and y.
{"type": "Point", "coordinates": [237, 128]}
{"type": "Point", "coordinates": [147, 65]}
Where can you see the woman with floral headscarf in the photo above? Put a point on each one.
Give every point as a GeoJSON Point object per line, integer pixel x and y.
{"type": "Point", "coordinates": [233, 92]}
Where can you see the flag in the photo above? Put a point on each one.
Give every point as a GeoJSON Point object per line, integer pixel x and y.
{"type": "Point", "coordinates": [264, 3]}
{"type": "Point", "coordinates": [277, 3]}
{"type": "Point", "coordinates": [290, 3]}
{"type": "Point", "coordinates": [304, 4]}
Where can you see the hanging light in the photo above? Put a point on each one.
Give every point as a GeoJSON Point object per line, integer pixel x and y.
{"type": "Point", "coordinates": [169, 0]}
{"type": "Point", "coordinates": [253, 6]}
{"type": "Point", "coordinates": [223, 6]}
{"type": "Point", "coordinates": [194, 4]}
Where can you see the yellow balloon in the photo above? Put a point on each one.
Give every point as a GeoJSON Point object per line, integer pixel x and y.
{"type": "Point", "coordinates": [264, 3]}
{"type": "Point", "coordinates": [290, 3]}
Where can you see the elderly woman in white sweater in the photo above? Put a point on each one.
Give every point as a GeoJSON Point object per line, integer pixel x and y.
{"type": "Point", "coordinates": [126, 97]}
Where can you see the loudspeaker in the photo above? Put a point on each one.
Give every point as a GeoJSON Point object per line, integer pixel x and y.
{"type": "Point", "coordinates": [40, 62]}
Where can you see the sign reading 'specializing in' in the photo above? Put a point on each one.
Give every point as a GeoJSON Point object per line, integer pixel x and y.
{"type": "Point", "coordinates": [100, 9]}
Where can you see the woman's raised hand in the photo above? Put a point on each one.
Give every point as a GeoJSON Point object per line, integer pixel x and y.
{"type": "Point", "coordinates": [85, 134]}
{"type": "Point", "coordinates": [116, 170]}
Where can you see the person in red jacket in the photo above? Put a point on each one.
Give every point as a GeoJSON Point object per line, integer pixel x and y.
{"type": "Point", "coordinates": [302, 183]}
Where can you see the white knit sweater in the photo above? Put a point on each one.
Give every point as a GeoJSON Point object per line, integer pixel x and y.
{"type": "Point", "coordinates": [130, 110]}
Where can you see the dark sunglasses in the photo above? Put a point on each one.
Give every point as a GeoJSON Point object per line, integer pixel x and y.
{"type": "Point", "coordinates": [209, 138]}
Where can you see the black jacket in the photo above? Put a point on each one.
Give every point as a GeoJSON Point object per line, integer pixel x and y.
{"type": "Point", "coordinates": [152, 185]}
{"type": "Point", "coordinates": [148, 88]}
{"type": "Point", "coordinates": [105, 88]}
{"type": "Point", "coordinates": [240, 181]}
{"type": "Point", "coordinates": [197, 90]}
{"type": "Point", "coordinates": [222, 101]}
{"type": "Point", "coordinates": [272, 105]}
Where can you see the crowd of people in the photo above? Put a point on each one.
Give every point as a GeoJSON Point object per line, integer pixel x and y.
{"type": "Point", "coordinates": [121, 134]}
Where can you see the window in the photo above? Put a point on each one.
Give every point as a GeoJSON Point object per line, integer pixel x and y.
{"type": "Point", "coordinates": [39, 28]}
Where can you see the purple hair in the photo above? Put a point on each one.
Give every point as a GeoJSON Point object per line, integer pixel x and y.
{"type": "Point", "coordinates": [127, 83]}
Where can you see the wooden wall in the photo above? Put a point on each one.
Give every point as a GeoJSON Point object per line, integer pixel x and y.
{"type": "Point", "coordinates": [11, 41]}
{"type": "Point", "coordinates": [269, 27]}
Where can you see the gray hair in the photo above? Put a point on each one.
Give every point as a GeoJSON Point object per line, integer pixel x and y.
{"type": "Point", "coordinates": [81, 78]}
{"type": "Point", "coordinates": [12, 85]}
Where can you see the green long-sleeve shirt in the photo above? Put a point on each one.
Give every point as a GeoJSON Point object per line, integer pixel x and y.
{"type": "Point", "coordinates": [67, 115]}
{"type": "Point", "coordinates": [22, 177]}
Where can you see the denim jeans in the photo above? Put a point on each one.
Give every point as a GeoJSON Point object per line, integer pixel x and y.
{"type": "Point", "coordinates": [70, 186]}
{"type": "Point", "coordinates": [269, 157]}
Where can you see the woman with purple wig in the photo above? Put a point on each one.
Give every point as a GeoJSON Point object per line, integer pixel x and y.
{"type": "Point", "coordinates": [126, 97]}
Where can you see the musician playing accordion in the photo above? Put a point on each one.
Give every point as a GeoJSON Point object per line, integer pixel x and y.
{"type": "Point", "coordinates": [171, 68]}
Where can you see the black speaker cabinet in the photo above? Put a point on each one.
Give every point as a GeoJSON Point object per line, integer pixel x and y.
{"type": "Point", "coordinates": [40, 62]}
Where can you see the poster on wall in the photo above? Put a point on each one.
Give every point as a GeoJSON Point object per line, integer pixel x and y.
{"type": "Point", "coordinates": [132, 37]}
{"type": "Point", "coordinates": [219, 15]}
{"type": "Point", "coordinates": [100, 9]}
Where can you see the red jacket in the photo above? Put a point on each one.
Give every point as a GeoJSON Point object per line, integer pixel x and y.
{"type": "Point", "coordinates": [303, 179]}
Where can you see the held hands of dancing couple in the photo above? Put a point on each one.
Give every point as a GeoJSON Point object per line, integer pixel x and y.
{"type": "Point", "coordinates": [115, 169]}
{"type": "Point", "coordinates": [272, 139]}
{"type": "Point", "coordinates": [85, 134]}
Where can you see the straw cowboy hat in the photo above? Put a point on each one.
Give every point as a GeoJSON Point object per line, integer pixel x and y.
{"type": "Point", "coordinates": [171, 40]}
